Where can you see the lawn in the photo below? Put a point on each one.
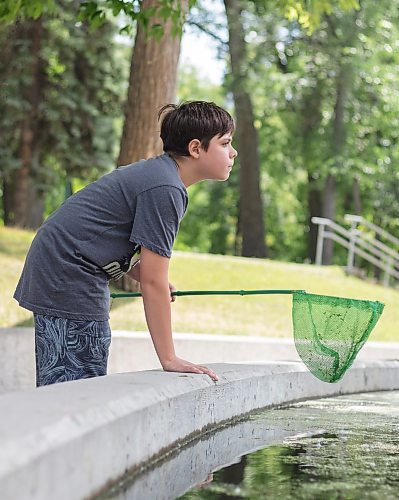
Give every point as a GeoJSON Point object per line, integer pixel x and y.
{"type": "Point", "coordinates": [268, 316]}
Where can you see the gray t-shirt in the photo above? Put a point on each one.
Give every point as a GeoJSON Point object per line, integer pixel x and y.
{"type": "Point", "coordinates": [96, 235]}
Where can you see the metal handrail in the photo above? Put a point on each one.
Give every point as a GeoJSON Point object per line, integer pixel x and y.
{"type": "Point", "coordinates": [368, 243]}
{"type": "Point", "coordinates": [360, 220]}
{"type": "Point", "coordinates": [385, 267]}
{"type": "Point", "coordinates": [387, 258]}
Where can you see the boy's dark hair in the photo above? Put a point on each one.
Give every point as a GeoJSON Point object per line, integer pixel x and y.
{"type": "Point", "coordinates": [190, 120]}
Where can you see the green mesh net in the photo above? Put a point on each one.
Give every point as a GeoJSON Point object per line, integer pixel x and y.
{"type": "Point", "coordinates": [330, 331]}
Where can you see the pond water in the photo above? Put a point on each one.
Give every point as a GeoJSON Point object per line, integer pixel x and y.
{"type": "Point", "coordinates": [334, 448]}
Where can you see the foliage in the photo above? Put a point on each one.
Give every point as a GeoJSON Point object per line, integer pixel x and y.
{"type": "Point", "coordinates": [82, 91]}
{"type": "Point", "coordinates": [292, 62]}
{"type": "Point", "coordinates": [309, 13]}
{"type": "Point", "coordinates": [287, 68]}
{"type": "Point", "coordinates": [97, 12]}
{"type": "Point", "coordinates": [10, 10]}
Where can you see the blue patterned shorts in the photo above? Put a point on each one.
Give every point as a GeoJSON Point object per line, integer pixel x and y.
{"type": "Point", "coordinates": [68, 349]}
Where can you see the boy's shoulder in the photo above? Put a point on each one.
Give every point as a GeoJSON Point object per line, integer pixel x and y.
{"type": "Point", "coordinates": [151, 173]}
{"type": "Point", "coordinates": [160, 161]}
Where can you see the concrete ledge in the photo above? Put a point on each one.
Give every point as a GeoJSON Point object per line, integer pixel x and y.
{"type": "Point", "coordinates": [134, 352]}
{"type": "Point", "coordinates": [71, 440]}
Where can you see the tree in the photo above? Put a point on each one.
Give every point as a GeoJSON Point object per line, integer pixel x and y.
{"type": "Point", "coordinates": [311, 123]}
{"type": "Point", "coordinates": [251, 223]}
{"type": "Point", "coordinates": [95, 12]}
{"type": "Point", "coordinates": [61, 90]}
{"type": "Point", "coordinates": [152, 83]}
{"type": "Point", "coordinates": [251, 220]}
{"type": "Point", "coordinates": [27, 146]}
{"type": "Point", "coordinates": [154, 17]}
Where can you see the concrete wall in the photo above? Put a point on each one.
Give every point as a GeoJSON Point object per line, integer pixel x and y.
{"type": "Point", "coordinates": [71, 440]}
{"type": "Point", "coordinates": [134, 352]}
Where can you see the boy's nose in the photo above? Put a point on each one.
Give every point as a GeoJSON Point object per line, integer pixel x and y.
{"type": "Point", "coordinates": [234, 152]}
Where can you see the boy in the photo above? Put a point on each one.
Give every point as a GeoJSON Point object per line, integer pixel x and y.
{"type": "Point", "coordinates": [130, 215]}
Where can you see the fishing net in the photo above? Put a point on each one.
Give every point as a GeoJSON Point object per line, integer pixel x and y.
{"type": "Point", "coordinates": [330, 331]}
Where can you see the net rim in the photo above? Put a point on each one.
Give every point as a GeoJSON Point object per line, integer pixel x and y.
{"type": "Point", "coordinates": [333, 299]}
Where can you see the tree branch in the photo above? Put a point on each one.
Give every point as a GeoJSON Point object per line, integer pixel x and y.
{"type": "Point", "coordinates": [207, 32]}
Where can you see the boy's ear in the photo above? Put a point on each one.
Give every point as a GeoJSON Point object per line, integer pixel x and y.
{"type": "Point", "coordinates": [194, 147]}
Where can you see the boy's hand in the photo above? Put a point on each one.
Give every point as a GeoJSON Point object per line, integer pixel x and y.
{"type": "Point", "coordinates": [172, 288]}
{"type": "Point", "coordinates": [181, 365]}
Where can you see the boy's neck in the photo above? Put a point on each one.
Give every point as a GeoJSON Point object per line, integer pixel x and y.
{"type": "Point", "coordinates": [186, 169]}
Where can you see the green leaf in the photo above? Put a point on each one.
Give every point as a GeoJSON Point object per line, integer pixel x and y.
{"type": "Point", "coordinates": [157, 31]}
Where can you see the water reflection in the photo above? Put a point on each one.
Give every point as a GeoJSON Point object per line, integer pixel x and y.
{"type": "Point", "coordinates": [346, 447]}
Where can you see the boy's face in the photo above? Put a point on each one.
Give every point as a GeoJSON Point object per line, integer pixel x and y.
{"type": "Point", "coordinates": [216, 163]}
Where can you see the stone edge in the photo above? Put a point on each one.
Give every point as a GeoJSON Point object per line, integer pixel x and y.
{"type": "Point", "coordinates": [147, 415]}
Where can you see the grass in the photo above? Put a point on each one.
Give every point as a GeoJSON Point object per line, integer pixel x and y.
{"type": "Point", "coordinates": [14, 244]}
{"type": "Point", "coordinates": [268, 316]}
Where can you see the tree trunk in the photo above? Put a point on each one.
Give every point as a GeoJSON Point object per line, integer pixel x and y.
{"type": "Point", "coordinates": [34, 216]}
{"type": "Point", "coordinates": [29, 127]}
{"type": "Point", "coordinates": [6, 177]}
{"type": "Point", "coordinates": [252, 228]}
{"type": "Point", "coordinates": [152, 83]}
{"type": "Point", "coordinates": [21, 185]}
{"type": "Point", "coordinates": [357, 199]}
{"type": "Point", "coordinates": [8, 204]}
{"type": "Point", "coordinates": [329, 209]}
{"type": "Point", "coordinates": [311, 119]}
{"type": "Point", "coordinates": [237, 236]}
{"type": "Point", "coordinates": [352, 199]}
{"type": "Point", "coordinates": [337, 144]}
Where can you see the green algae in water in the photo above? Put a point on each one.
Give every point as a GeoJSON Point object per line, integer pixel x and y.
{"type": "Point", "coordinates": [335, 448]}
{"type": "Point", "coordinates": [355, 454]}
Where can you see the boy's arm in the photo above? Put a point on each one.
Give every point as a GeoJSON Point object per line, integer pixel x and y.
{"type": "Point", "coordinates": [156, 297]}
{"type": "Point", "coordinates": [134, 273]}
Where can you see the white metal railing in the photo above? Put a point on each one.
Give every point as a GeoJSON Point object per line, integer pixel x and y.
{"type": "Point", "coordinates": [360, 243]}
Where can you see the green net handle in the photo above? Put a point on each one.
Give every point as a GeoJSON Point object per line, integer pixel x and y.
{"type": "Point", "coordinates": [212, 292]}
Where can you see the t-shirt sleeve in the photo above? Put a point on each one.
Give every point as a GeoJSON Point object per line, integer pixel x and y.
{"type": "Point", "coordinates": [158, 214]}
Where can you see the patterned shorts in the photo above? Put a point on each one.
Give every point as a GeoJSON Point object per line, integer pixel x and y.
{"type": "Point", "coordinates": [68, 349]}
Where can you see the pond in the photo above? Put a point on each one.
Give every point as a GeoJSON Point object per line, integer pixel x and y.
{"type": "Point", "coordinates": [344, 447]}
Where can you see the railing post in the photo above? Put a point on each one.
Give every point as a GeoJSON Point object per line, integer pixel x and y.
{"type": "Point", "coordinates": [351, 249]}
{"type": "Point", "coordinates": [387, 274]}
{"type": "Point", "coordinates": [320, 244]}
